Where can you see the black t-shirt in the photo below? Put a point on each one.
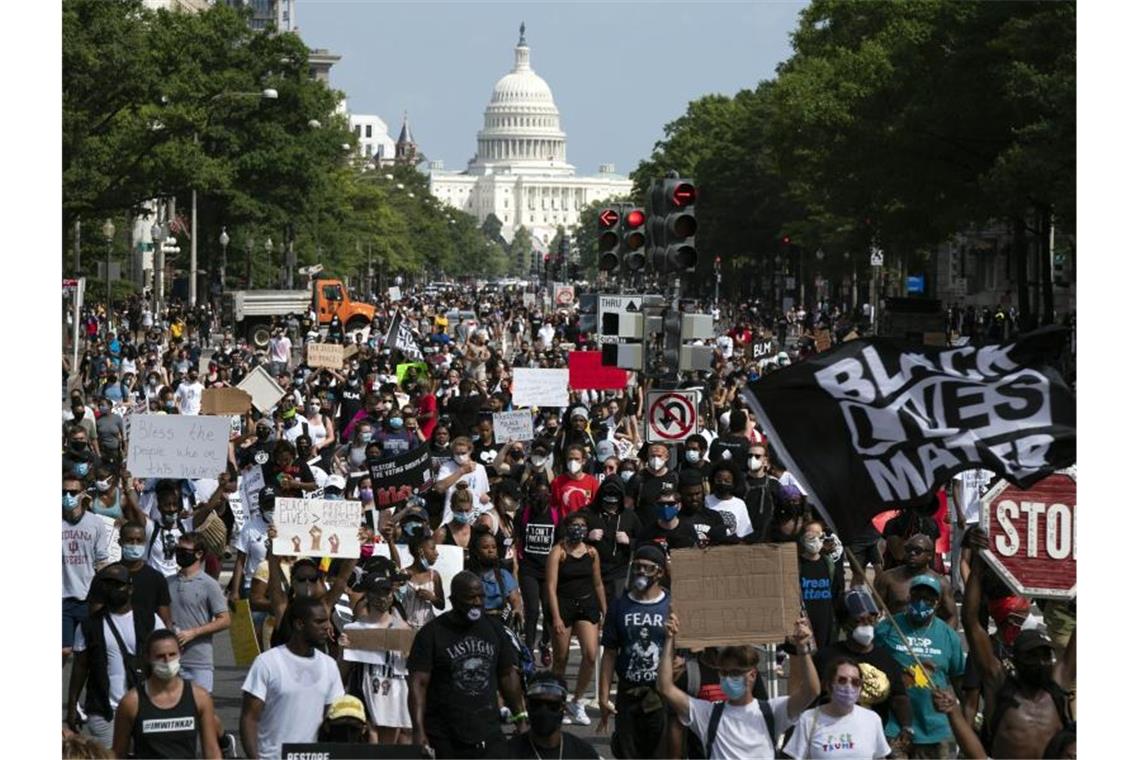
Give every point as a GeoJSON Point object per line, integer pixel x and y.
{"type": "Point", "coordinates": [149, 591]}
{"type": "Point", "coordinates": [703, 520]}
{"type": "Point", "coordinates": [572, 748]}
{"type": "Point", "coordinates": [820, 586]}
{"type": "Point", "coordinates": [614, 557]}
{"type": "Point", "coordinates": [647, 487]}
{"type": "Point", "coordinates": [465, 661]}
{"type": "Point", "coordinates": [683, 536]}
{"type": "Point", "coordinates": [534, 538]}
{"type": "Point", "coordinates": [350, 404]}
{"type": "Point", "coordinates": [879, 657]}
{"type": "Point", "coordinates": [736, 446]}
{"type": "Point", "coordinates": [484, 453]}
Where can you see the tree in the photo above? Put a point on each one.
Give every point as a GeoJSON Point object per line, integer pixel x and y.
{"type": "Point", "coordinates": [520, 254]}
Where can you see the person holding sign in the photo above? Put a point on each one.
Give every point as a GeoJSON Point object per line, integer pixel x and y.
{"type": "Point", "coordinates": [742, 726]}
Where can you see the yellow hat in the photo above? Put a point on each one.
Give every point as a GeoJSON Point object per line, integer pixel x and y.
{"type": "Point", "coordinates": [876, 686]}
{"type": "Point", "coordinates": [347, 707]}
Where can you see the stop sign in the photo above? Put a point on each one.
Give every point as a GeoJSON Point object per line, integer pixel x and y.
{"type": "Point", "coordinates": [1033, 536]}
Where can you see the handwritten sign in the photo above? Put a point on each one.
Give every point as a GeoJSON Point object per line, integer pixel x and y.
{"type": "Point", "coordinates": [541, 387]}
{"type": "Point", "coordinates": [262, 388]}
{"type": "Point", "coordinates": [312, 528]}
{"type": "Point", "coordinates": [177, 446]}
{"type": "Point", "coordinates": [330, 355]}
{"type": "Point", "coordinates": [394, 293]}
{"type": "Point", "coordinates": [249, 486]}
{"type": "Point", "coordinates": [365, 643]}
{"type": "Point", "coordinates": [513, 426]}
{"type": "Point", "coordinates": [225, 401]}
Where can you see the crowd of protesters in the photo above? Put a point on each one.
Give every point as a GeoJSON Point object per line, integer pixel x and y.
{"type": "Point", "coordinates": [572, 529]}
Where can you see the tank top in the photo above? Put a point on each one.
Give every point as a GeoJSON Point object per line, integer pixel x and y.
{"type": "Point", "coordinates": [115, 511]}
{"type": "Point", "coordinates": [576, 576]}
{"type": "Point", "coordinates": [419, 612]}
{"type": "Point", "coordinates": [166, 733]}
{"type": "Point", "coordinates": [317, 430]}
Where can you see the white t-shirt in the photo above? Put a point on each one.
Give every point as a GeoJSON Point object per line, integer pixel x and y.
{"type": "Point", "coordinates": [973, 484]}
{"type": "Point", "coordinates": [858, 734]}
{"type": "Point", "coordinates": [724, 343]}
{"type": "Point", "coordinates": [296, 691]}
{"type": "Point", "coordinates": [476, 481]}
{"type": "Point", "coordinates": [733, 511]}
{"type": "Point", "coordinates": [161, 554]}
{"type": "Point", "coordinates": [280, 348]}
{"type": "Point", "coordinates": [125, 624]}
{"type": "Point", "coordinates": [742, 732]}
{"type": "Point", "coordinates": [251, 541]}
{"type": "Point", "coordinates": [189, 397]}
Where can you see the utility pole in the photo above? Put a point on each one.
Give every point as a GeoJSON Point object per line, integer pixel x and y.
{"type": "Point", "coordinates": [194, 239]}
{"type": "Point", "coordinates": [78, 232]}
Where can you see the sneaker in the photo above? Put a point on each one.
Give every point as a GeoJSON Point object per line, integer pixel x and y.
{"type": "Point", "coordinates": [228, 744]}
{"type": "Point", "coordinates": [504, 714]}
{"type": "Point", "coordinates": [576, 711]}
{"type": "Point", "coordinates": [82, 713]}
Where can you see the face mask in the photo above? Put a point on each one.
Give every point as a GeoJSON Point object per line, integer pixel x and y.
{"type": "Point", "coordinates": [366, 494]}
{"type": "Point", "coordinates": [424, 563]}
{"type": "Point", "coordinates": [722, 490]}
{"type": "Point", "coordinates": [733, 686]}
{"type": "Point", "coordinates": [116, 598]}
{"type": "Point", "coordinates": [755, 463]}
{"type": "Point", "coordinates": [463, 518]}
{"type": "Point", "coordinates": [185, 557]}
{"type": "Point", "coordinates": [366, 436]}
{"type": "Point", "coordinates": [103, 486]}
{"type": "Point", "coordinates": [344, 735]}
{"type": "Point", "coordinates": [625, 475]}
{"type": "Point", "coordinates": [164, 671]}
{"type": "Point", "coordinates": [863, 634]}
{"type": "Point", "coordinates": [168, 519]}
{"type": "Point", "coordinates": [692, 456]}
{"type": "Point", "coordinates": [263, 434]}
{"type": "Point", "coordinates": [170, 405]}
{"type": "Point", "coordinates": [267, 515]}
{"type": "Point", "coordinates": [132, 552]}
{"type": "Point", "coordinates": [667, 511]}
{"type": "Point", "coordinates": [81, 468]}
{"type": "Point", "coordinates": [920, 612]}
{"type": "Point", "coordinates": [812, 545]}
{"type": "Point", "coordinates": [656, 463]}
{"type": "Point", "coordinates": [396, 423]}
{"type": "Point", "coordinates": [462, 458]}
{"type": "Point", "coordinates": [1036, 674]}
{"type": "Point", "coordinates": [642, 582]}
{"type": "Point", "coordinates": [576, 533]}
{"type": "Point", "coordinates": [70, 502]}
{"type": "Point", "coordinates": [469, 614]}
{"type": "Point", "coordinates": [573, 466]}
{"type": "Point", "coordinates": [78, 445]}
{"type": "Point", "coordinates": [544, 719]}
{"type": "Point", "coordinates": [845, 695]}
{"type": "Point", "coordinates": [538, 461]}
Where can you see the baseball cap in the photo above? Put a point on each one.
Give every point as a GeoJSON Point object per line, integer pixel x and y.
{"type": "Point", "coordinates": [579, 411]}
{"type": "Point", "coordinates": [346, 706]}
{"type": "Point", "coordinates": [651, 553]}
{"type": "Point", "coordinates": [1027, 641]}
{"type": "Point", "coordinates": [376, 583]}
{"type": "Point", "coordinates": [926, 580]}
{"type": "Point", "coordinates": [690, 476]}
{"type": "Point", "coordinates": [115, 572]}
{"type": "Point", "coordinates": [668, 491]}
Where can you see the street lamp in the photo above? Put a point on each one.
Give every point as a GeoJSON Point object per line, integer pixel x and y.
{"type": "Point", "coordinates": [224, 239]}
{"type": "Point", "coordinates": [249, 263]}
{"type": "Point", "coordinates": [314, 124]}
{"type": "Point", "coordinates": [108, 235]}
{"type": "Point", "coordinates": [269, 251]}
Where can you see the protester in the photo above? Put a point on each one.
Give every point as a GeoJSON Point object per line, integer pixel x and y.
{"type": "Point", "coordinates": [198, 610]}
{"type": "Point", "coordinates": [84, 543]}
{"type": "Point", "coordinates": [821, 584]}
{"type": "Point", "coordinates": [545, 699]}
{"type": "Point", "coordinates": [893, 585]}
{"type": "Point", "coordinates": [535, 525]}
{"type": "Point", "coordinates": [840, 728]}
{"type": "Point", "coordinates": [611, 530]}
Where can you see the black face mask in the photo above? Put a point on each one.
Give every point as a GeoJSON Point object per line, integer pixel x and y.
{"type": "Point", "coordinates": [544, 718]}
{"type": "Point", "coordinates": [722, 490]}
{"type": "Point", "coordinates": [344, 735]}
{"type": "Point", "coordinates": [117, 597]}
{"type": "Point", "coordinates": [1035, 674]}
{"type": "Point", "coordinates": [185, 557]}
{"type": "Point", "coordinates": [263, 434]}
{"type": "Point", "coordinates": [78, 445]}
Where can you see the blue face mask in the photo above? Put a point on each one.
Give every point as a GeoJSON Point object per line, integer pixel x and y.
{"type": "Point", "coordinates": [920, 612]}
{"type": "Point", "coordinates": [70, 502]}
{"type": "Point", "coordinates": [668, 510]}
{"type": "Point", "coordinates": [81, 468]}
{"type": "Point", "coordinates": [132, 552]}
{"type": "Point", "coordinates": [463, 518]}
{"type": "Point", "coordinates": [733, 686]}
{"type": "Point", "coordinates": [396, 423]}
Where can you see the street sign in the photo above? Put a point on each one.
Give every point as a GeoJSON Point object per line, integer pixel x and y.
{"type": "Point", "coordinates": [615, 306]}
{"type": "Point", "coordinates": [672, 415]}
{"type": "Point", "coordinates": [876, 257]}
{"type": "Point", "coordinates": [1033, 537]}
{"type": "Point", "coordinates": [563, 295]}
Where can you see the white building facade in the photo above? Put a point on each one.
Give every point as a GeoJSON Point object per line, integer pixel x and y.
{"type": "Point", "coordinates": [375, 144]}
{"type": "Point", "coordinates": [519, 172]}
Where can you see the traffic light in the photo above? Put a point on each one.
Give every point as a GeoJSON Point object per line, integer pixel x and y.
{"type": "Point", "coordinates": [633, 239]}
{"type": "Point", "coordinates": [608, 220]}
{"type": "Point", "coordinates": [673, 225]}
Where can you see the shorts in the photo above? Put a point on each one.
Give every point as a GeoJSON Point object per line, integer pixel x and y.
{"type": "Point", "coordinates": [575, 610]}
{"type": "Point", "coordinates": [203, 675]}
{"type": "Point", "coordinates": [74, 613]}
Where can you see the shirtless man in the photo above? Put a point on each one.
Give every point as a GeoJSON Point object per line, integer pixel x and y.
{"type": "Point", "coordinates": [1025, 708]}
{"type": "Point", "coordinates": [894, 584]}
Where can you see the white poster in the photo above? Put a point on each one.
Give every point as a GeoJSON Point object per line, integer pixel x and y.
{"type": "Point", "coordinates": [513, 426]}
{"type": "Point", "coordinates": [114, 550]}
{"type": "Point", "coordinates": [177, 446]}
{"type": "Point", "coordinates": [262, 388]}
{"type": "Point", "coordinates": [541, 387]}
{"type": "Point", "coordinates": [317, 528]}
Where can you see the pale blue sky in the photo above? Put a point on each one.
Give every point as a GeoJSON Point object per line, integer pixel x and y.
{"type": "Point", "coordinates": [440, 60]}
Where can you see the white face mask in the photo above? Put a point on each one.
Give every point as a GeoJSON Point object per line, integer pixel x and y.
{"type": "Point", "coordinates": [538, 461]}
{"type": "Point", "coordinates": [626, 475]}
{"type": "Point", "coordinates": [863, 634]}
{"type": "Point", "coordinates": [573, 466]}
{"type": "Point", "coordinates": [692, 456]}
{"type": "Point", "coordinates": [462, 458]}
{"type": "Point", "coordinates": [166, 670]}
{"type": "Point", "coordinates": [656, 463]}
{"type": "Point", "coordinates": [755, 463]}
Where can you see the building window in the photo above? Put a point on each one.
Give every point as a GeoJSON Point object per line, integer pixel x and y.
{"type": "Point", "coordinates": [368, 130]}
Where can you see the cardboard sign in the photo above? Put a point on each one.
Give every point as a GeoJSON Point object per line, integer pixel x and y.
{"type": "Point", "coordinates": [513, 426]}
{"type": "Point", "coordinates": [362, 641]}
{"type": "Point", "coordinates": [394, 293]}
{"type": "Point", "coordinates": [421, 369]}
{"type": "Point", "coordinates": [541, 387]}
{"type": "Point", "coordinates": [263, 389]}
{"type": "Point", "coordinates": [177, 446]}
{"type": "Point", "coordinates": [822, 340]}
{"type": "Point", "coordinates": [334, 751]}
{"type": "Point", "coordinates": [225, 401]}
{"type": "Point", "coordinates": [312, 528]}
{"type": "Point", "coordinates": [730, 595]}
{"type": "Point", "coordinates": [329, 355]}
{"type": "Point", "coordinates": [395, 479]}
{"type": "Point", "coordinates": [587, 372]}
{"type": "Point", "coordinates": [243, 638]}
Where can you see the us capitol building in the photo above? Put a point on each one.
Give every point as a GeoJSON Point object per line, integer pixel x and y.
{"type": "Point", "coordinates": [519, 172]}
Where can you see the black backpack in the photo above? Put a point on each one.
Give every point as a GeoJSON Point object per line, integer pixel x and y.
{"type": "Point", "coordinates": [718, 711]}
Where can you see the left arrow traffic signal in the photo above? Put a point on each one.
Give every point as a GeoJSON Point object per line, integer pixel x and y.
{"type": "Point", "coordinates": [608, 238]}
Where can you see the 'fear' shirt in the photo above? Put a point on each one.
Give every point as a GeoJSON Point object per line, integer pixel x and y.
{"type": "Point", "coordinates": [637, 630]}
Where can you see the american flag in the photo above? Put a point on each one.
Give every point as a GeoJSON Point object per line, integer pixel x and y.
{"type": "Point", "coordinates": [178, 225]}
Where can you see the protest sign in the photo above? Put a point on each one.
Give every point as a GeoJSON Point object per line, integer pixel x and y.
{"type": "Point", "coordinates": [329, 355]}
{"type": "Point", "coordinates": [822, 340]}
{"type": "Point", "coordinates": [237, 509]}
{"type": "Point", "coordinates": [344, 751]}
{"type": "Point", "coordinates": [395, 479]}
{"type": "Point", "coordinates": [243, 638]}
{"type": "Point", "coordinates": [730, 595]}
{"type": "Point", "coordinates": [177, 446]}
{"type": "Point", "coordinates": [114, 550]}
{"type": "Point", "coordinates": [312, 528]}
{"type": "Point", "coordinates": [367, 644]}
{"type": "Point", "coordinates": [402, 338]}
{"type": "Point", "coordinates": [541, 387]}
{"type": "Point", "coordinates": [225, 401]}
{"type": "Point", "coordinates": [513, 426]}
{"type": "Point", "coordinates": [394, 293]}
{"type": "Point", "coordinates": [587, 372]}
{"type": "Point", "coordinates": [421, 371]}
{"type": "Point", "coordinates": [249, 486]}
{"type": "Point", "coordinates": [263, 389]}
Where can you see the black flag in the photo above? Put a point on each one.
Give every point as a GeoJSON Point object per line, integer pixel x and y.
{"type": "Point", "coordinates": [875, 424]}
{"type": "Point", "coordinates": [402, 338]}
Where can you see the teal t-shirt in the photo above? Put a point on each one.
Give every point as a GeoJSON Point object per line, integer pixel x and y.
{"type": "Point", "coordinates": [939, 644]}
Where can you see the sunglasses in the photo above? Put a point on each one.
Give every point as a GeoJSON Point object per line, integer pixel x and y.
{"type": "Point", "coordinates": [846, 681]}
{"type": "Point", "coordinates": [305, 579]}
{"type": "Point", "coordinates": [72, 491]}
{"type": "Point", "coordinates": [645, 567]}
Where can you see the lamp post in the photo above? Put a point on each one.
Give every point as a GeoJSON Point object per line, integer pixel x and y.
{"type": "Point", "coordinates": [266, 94]}
{"type": "Point", "coordinates": [269, 252]}
{"type": "Point", "coordinates": [157, 237]}
{"type": "Point", "coordinates": [249, 263]}
{"type": "Point", "coordinates": [108, 235]}
{"type": "Point", "coordinates": [224, 239]}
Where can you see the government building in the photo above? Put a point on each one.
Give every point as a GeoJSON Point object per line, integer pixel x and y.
{"type": "Point", "coordinates": [519, 172]}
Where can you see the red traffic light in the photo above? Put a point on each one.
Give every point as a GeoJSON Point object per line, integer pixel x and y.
{"type": "Point", "coordinates": [785, 240]}
{"type": "Point", "coordinates": [608, 217]}
{"type": "Point", "coordinates": [635, 218]}
{"type": "Point", "coordinates": [546, 257]}
{"type": "Point", "coordinates": [684, 194]}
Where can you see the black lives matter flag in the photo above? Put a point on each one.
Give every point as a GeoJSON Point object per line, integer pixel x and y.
{"type": "Point", "coordinates": [402, 338]}
{"type": "Point", "coordinates": [875, 424]}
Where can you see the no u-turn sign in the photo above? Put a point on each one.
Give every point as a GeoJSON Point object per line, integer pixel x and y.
{"type": "Point", "coordinates": [672, 415]}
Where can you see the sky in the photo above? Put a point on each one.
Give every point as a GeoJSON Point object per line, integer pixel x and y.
{"type": "Point", "coordinates": [619, 71]}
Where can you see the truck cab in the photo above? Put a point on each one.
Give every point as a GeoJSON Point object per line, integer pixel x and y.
{"type": "Point", "coordinates": [331, 298]}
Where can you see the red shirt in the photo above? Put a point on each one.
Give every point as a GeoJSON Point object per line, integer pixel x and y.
{"type": "Point", "coordinates": [571, 495]}
{"type": "Point", "coordinates": [427, 406]}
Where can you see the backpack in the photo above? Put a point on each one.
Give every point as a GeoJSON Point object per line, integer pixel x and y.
{"type": "Point", "coordinates": [718, 712]}
{"type": "Point", "coordinates": [1007, 698]}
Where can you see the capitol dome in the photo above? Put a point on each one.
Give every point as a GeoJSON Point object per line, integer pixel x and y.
{"type": "Point", "coordinates": [521, 125]}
